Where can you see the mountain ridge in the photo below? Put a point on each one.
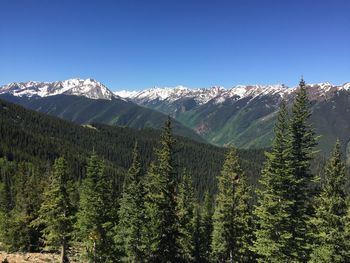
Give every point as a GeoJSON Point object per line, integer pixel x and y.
{"type": "Point", "coordinates": [114, 112]}
{"type": "Point", "coordinates": [94, 89]}
{"type": "Point", "coordinates": [204, 95]}
{"type": "Point", "coordinates": [243, 115]}
{"type": "Point", "coordinates": [89, 88]}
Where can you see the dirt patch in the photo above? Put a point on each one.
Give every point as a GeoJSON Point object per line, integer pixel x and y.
{"type": "Point", "coordinates": [30, 257]}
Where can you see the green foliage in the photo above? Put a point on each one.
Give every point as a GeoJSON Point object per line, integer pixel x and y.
{"type": "Point", "coordinates": [185, 214]}
{"type": "Point", "coordinates": [248, 122]}
{"type": "Point", "coordinates": [94, 219]}
{"type": "Point", "coordinates": [6, 200]}
{"type": "Point", "coordinates": [40, 139]}
{"type": "Point", "coordinates": [161, 216]}
{"type": "Point", "coordinates": [203, 230]}
{"type": "Point", "coordinates": [27, 185]}
{"type": "Point", "coordinates": [300, 149]}
{"type": "Point", "coordinates": [245, 123]}
{"type": "Point", "coordinates": [331, 218]}
{"type": "Point", "coordinates": [7, 169]}
{"type": "Point", "coordinates": [55, 214]}
{"type": "Point", "coordinates": [274, 203]}
{"type": "Point", "coordinates": [285, 201]}
{"type": "Point", "coordinates": [207, 227]}
{"type": "Point", "coordinates": [159, 219]}
{"type": "Point", "coordinates": [115, 112]}
{"type": "Point", "coordinates": [130, 231]}
{"type": "Point", "coordinates": [197, 235]}
{"type": "Point", "coordinates": [232, 232]}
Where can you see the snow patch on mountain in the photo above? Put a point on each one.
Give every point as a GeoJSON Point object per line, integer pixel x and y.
{"type": "Point", "coordinates": [125, 93]}
{"type": "Point", "coordinates": [172, 94]}
{"type": "Point", "coordinates": [89, 88]}
{"type": "Point", "coordinates": [346, 86]}
{"type": "Point", "coordinates": [93, 89]}
{"type": "Point", "coordinates": [219, 94]}
{"type": "Point", "coordinates": [203, 95]}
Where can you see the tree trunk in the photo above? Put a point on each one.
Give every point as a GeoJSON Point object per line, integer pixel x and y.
{"type": "Point", "coordinates": [64, 257]}
{"type": "Point", "coordinates": [94, 251]}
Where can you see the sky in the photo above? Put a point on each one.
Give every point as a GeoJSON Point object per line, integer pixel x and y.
{"type": "Point", "coordinates": [138, 44]}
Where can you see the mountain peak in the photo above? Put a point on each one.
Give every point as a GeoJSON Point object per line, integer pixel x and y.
{"type": "Point", "coordinates": [89, 88]}
{"type": "Point", "coordinates": [218, 94]}
{"type": "Point", "coordinates": [201, 95]}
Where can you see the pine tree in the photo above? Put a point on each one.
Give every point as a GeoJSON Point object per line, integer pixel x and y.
{"type": "Point", "coordinates": [21, 234]}
{"type": "Point", "coordinates": [274, 204]}
{"type": "Point", "coordinates": [132, 213]}
{"type": "Point", "coordinates": [94, 220]}
{"type": "Point", "coordinates": [232, 232]}
{"type": "Point", "coordinates": [5, 200]}
{"type": "Point", "coordinates": [197, 235]}
{"type": "Point", "coordinates": [331, 218]}
{"type": "Point", "coordinates": [300, 145]}
{"type": "Point", "coordinates": [161, 217]}
{"type": "Point", "coordinates": [203, 227]}
{"type": "Point", "coordinates": [206, 228]}
{"type": "Point", "coordinates": [185, 213]}
{"type": "Point", "coordinates": [55, 213]}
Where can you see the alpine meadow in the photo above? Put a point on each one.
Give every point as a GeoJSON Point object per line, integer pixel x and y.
{"type": "Point", "coordinates": [133, 166]}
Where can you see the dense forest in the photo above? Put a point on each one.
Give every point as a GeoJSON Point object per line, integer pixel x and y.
{"type": "Point", "coordinates": [26, 135]}
{"type": "Point", "coordinates": [114, 112]}
{"type": "Point", "coordinates": [103, 194]}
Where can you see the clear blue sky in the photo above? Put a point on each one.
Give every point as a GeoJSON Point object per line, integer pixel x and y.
{"type": "Point", "coordinates": [136, 44]}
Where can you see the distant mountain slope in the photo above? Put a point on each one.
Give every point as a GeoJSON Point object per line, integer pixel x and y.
{"type": "Point", "coordinates": [245, 115]}
{"type": "Point", "coordinates": [115, 112]}
{"type": "Point", "coordinates": [331, 118]}
{"type": "Point", "coordinates": [33, 136]}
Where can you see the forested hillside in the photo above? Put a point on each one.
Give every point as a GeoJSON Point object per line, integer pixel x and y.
{"type": "Point", "coordinates": [30, 136]}
{"type": "Point", "coordinates": [245, 115]}
{"type": "Point", "coordinates": [77, 190]}
{"type": "Point", "coordinates": [115, 112]}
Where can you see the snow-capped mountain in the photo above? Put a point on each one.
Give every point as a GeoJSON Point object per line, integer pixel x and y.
{"type": "Point", "coordinates": [172, 94]}
{"type": "Point", "coordinates": [93, 89]}
{"type": "Point", "coordinates": [219, 94]}
{"type": "Point", "coordinates": [244, 115]}
{"type": "Point", "coordinates": [89, 88]}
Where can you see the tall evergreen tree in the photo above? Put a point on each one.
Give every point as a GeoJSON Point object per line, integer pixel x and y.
{"type": "Point", "coordinates": [94, 220]}
{"type": "Point", "coordinates": [206, 228]}
{"type": "Point", "coordinates": [6, 198]}
{"type": "Point", "coordinates": [232, 232]}
{"type": "Point", "coordinates": [185, 213]}
{"type": "Point", "coordinates": [6, 203]}
{"type": "Point", "coordinates": [203, 228]}
{"type": "Point", "coordinates": [300, 145]}
{"type": "Point", "coordinates": [331, 216]}
{"type": "Point", "coordinates": [273, 209]}
{"type": "Point", "coordinates": [161, 202]}
{"type": "Point", "coordinates": [130, 236]}
{"type": "Point", "coordinates": [55, 213]}
{"type": "Point", "coordinates": [197, 235]}
{"type": "Point", "coordinates": [21, 234]}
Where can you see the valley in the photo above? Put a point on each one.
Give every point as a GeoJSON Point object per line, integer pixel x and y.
{"type": "Point", "coordinates": [243, 116]}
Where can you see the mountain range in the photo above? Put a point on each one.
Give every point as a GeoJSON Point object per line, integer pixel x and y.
{"type": "Point", "coordinates": [87, 101]}
{"type": "Point", "coordinates": [40, 138]}
{"type": "Point", "coordinates": [243, 115]}
{"type": "Point", "coordinates": [89, 88]}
